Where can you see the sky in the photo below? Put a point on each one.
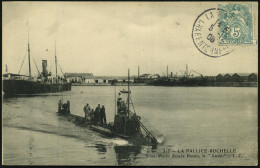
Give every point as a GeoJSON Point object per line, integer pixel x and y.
{"type": "Point", "coordinates": [107, 38]}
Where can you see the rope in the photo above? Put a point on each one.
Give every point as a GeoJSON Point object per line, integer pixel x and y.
{"type": "Point", "coordinates": [21, 65]}
{"type": "Point", "coordinates": [148, 133]}
{"type": "Point", "coordinates": [61, 71]}
{"type": "Point", "coordinates": [145, 129]}
{"type": "Point", "coordinates": [36, 65]}
{"type": "Point", "coordinates": [132, 104]}
{"type": "Point", "coordinates": [18, 60]}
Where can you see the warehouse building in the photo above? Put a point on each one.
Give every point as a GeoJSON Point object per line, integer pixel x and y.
{"type": "Point", "coordinates": [80, 77]}
{"type": "Point", "coordinates": [237, 77]}
{"type": "Point", "coordinates": [111, 79]}
{"type": "Point", "coordinates": [91, 79]}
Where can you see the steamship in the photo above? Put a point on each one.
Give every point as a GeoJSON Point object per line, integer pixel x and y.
{"type": "Point", "coordinates": [45, 82]}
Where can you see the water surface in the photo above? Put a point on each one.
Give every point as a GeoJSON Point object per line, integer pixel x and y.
{"type": "Point", "coordinates": [180, 117]}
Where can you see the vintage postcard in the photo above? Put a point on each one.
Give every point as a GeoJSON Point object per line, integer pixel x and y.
{"type": "Point", "coordinates": [130, 83]}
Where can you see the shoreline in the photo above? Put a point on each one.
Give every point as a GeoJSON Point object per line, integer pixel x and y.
{"type": "Point", "coordinates": [108, 84]}
{"type": "Point", "coordinates": [213, 84]}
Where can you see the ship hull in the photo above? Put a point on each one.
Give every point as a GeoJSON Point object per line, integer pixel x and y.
{"type": "Point", "coordinates": [16, 87]}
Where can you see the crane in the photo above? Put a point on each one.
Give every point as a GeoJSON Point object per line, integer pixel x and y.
{"type": "Point", "coordinates": [197, 73]}
{"type": "Point", "coordinates": [186, 73]}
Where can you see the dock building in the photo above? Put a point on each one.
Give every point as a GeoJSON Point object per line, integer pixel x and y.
{"type": "Point", "coordinates": [236, 77]}
{"type": "Point", "coordinates": [89, 78]}
{"type": "Point", "coordinates": [146, 78]}
{"type": "Point", "coordinates": [80, 77]}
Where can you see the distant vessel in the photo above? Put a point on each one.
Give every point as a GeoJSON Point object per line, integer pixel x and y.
{"type": "Point", "coordinates": [186, 80]}
{"type": "Point", "coordinates": [16, 84]}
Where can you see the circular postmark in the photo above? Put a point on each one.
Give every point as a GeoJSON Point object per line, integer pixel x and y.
{"type": "Point", "coordinates": [205, 34]}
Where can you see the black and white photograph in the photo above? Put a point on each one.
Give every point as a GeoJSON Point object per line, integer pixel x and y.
{"type": "Point", "coordinates": [91, 83]}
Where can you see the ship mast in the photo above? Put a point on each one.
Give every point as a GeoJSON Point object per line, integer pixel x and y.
{"type": "Point", "coordinates": [56, 61]}
{"type": "Point", "coordinates": [187, 71]}
{"type": "Point", "coordinates": [29, 51]}
{"type": "Point", "coordinates": [128, 93]}
{"type": "Point", "coordinates": [167, 71]}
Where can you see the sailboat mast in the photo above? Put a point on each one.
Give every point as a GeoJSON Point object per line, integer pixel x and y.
{"type": "Point", "coordinates": [167, 71]}
{"type": "Point", "coordinates": [55, 59]}
{"type": "Point", "coordinates": [115, 100]}
{"type": "Point", "coordinates": [29, 60]}
{"type": "Point", "coordinates": [128, 94]}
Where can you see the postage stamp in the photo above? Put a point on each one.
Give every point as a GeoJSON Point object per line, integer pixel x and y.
{"type": "Point", "coordinates": [236, 24]}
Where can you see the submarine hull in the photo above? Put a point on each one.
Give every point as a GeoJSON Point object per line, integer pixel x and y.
{"type": "Point", "coordinates": [105, 129]}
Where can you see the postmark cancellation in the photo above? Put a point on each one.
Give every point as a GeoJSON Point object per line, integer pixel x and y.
{"type": "Point", "coordinates": [205, 34]}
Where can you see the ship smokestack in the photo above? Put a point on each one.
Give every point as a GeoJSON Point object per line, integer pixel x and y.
{"type": "Point", "coordinates": [138, 72]}
{"type": "Point", "coordinates": [171, 75]}
{"type": "Point", "coordinates": [44, 68]}
{"type": "Point", "coordinates": [167, 71]}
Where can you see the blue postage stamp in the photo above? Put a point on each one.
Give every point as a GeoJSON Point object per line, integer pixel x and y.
{"type": "Point", "coordinates": [235, 24]}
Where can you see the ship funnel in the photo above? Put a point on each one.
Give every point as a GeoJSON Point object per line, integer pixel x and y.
{"type": "Point", "coordinates": [138, 72]}
{"type": "Point", "coordinates": [44, 68]}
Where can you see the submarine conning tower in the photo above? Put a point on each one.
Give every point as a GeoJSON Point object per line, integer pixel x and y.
{"type": "Point", "coordinates": [44, 68]}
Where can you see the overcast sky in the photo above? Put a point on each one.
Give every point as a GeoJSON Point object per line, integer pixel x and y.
{"type": "Point", "coordinates": [106, 38]}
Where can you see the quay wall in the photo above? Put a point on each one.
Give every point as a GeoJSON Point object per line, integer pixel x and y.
{"type": "Point", "coordinates": [216, 84]}
{"type": "Point", "coordinates": [233, 84]}
{"type": "Point", "coordinates": [108, 84]}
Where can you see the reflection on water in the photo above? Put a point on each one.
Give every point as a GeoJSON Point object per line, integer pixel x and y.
{"type": "Point", "coordinates": [101, 149]}
{"type": "Point", "coordinates": [126, 155]}
{"type": "Point", "coordinates": [30, 152]}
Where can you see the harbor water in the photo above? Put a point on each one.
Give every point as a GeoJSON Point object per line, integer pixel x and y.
{"type": "Point", "coordinates": [180, 118]}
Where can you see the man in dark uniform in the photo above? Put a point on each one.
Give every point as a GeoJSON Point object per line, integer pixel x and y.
{"type": "Point", "coordinates": [64, 108]}
{"type": "Point", "coordinates": [97, 113]}
{"type": "Point", "coordinates": [102, 116]}
{"type": "Point", "coordinates": [119, 104]}
{"type": "Point", "coordinates": [91, 115]}
{"type": "Point", "coordinates": [68, 106]}
{"type": "Point", "coordinates": [59, 106]}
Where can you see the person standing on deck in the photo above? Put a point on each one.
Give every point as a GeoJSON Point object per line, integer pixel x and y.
{"type": "Point", "coordinates": [87, 111]}
{"type": "Point", "coordinates": [64, 108]}
{"type": "Point", "coordinates": [102, 116]}
{"type": "Point", "coordinates": [68, 106]}
{"type": "Point", "coordinates": [92, 115]}
{"type": "Point", "coordinates": [118, 104]}
{"type": "Point", "coordinates": [59, 106]}
{"type": "Point", "coordinates": [122, 106]}
{"type": "Point", "coordinates": [97, 113]}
